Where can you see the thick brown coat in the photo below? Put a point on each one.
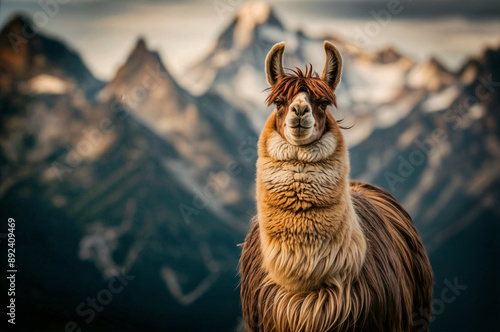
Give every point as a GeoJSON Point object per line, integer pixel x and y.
{"type": "Point", "coordinates": [325, 253]}
{"type": "Point", "coordinates": [321, 283]}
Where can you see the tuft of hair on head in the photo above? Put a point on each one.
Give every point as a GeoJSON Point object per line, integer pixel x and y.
{"type": "Point", "coordinates": [290, 84]}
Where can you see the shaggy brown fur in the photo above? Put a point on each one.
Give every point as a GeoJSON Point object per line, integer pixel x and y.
{"type": "Point", "coordinates": [292, 83]}
{"type": "Point", "coordinates": [323, 253]}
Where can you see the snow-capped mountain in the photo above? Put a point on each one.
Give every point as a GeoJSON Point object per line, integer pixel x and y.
{"type": "Point", "coordinates": [97, 193]}
{"type": "Point", "coordinates": [443, 166]}
{"type": "Point", "coordinates": [25, 53]}
{"type": "Point", "coordinates": [207, 132]}
{"type": "Point", "coordinates": [378, 88]}
{"type": "Point", "coordinates": [141, 176]}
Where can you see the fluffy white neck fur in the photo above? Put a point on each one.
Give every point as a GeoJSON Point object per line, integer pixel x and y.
{"type": "Point", "coordinates": [280, 149]}
{"type": "Point", "coordinates": [309, 230]}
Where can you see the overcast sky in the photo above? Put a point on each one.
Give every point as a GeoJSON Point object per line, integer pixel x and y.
{"type": "Point", "coordinates": [104, 32]}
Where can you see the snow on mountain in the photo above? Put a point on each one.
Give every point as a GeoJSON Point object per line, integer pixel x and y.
{"type": "Point", "coordinates": [143, 83]}
{"type": "Point", "coordinates": [150, 179]}
{"type": "Point", "coordinates": [47, 84]}
{"type": "Point", "coordinates": [102, 192]}
{"type": "Point", "coordinates": [444, 168]}
{"type": "Point", "coordinates": [24, 53]}
{"type": "Point", "coordinates": [377, 87]}
{"type": "Point", "coordinates": [206, 131]}
{"type": "Point", "coordinates": [431, 76]}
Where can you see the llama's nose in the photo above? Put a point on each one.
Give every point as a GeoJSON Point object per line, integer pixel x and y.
{"type": "Point", "coordinates": [300, 109]}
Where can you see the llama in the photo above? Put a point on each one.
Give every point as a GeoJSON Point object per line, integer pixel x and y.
{"type": "Point", "coordinates": [325, 253]}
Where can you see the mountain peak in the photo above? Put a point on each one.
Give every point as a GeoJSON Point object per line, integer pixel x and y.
{"type": "Point", "coordinates": [249, 17]}
{"type": "Point", "coordinates": [12, 34]}
{"type": "Point", "coordinates": [141, 57]}
{"type": "Point", "coordinates": [142, 71]}
{"type": "Point", "coordinates": [17, 22]}
{"type": "Point", "coordinates": [473, 65]}
{"type": "Point", "coordinates": [26, 52]}
{"type": "Point", "coordinates": [256, 12]}
{"type": "Point", "coordinates": [140, 49]}
{"type": "Point", "coordinates": [438, 65]}
{"type": "Point", "coordinates": [431, 75]}
{"type": "Point", "coordinates": [140, 45]}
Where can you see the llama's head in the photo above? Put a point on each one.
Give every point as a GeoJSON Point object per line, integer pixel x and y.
{"type": "Point", "coordinates": [302, 98]}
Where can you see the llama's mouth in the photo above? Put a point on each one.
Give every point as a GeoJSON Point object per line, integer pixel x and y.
{"type": "Point", "coordinates": [300, 123]}
{"type": "Point", "coordinates": [300, 131]}
{"type": "Point", "coordinates": [301, 127]}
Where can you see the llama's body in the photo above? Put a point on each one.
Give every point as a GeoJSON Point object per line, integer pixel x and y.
{"type": "Point", "coordinates": [323, 253]}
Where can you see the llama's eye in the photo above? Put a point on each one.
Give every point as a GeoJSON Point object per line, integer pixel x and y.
{"type": "Point", "coordinates": [278, 102]}
{"type": "Point", "coordinates": [324, 104]}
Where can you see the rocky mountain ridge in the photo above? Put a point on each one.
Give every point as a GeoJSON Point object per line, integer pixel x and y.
{"type": "Point", "coordinates": [140, 176]}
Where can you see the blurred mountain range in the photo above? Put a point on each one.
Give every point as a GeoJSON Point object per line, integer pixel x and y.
{"type": "Point", "coordinates": [143, 177]}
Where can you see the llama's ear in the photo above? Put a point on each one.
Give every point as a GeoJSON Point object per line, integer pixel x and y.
{"type": "Point", "coordinates": [274, 64]}
{"type": "Point", "coordinates": [333, 66]}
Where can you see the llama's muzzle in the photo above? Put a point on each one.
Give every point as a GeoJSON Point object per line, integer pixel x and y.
{"type": "Point", "coordinates": [299, 120]}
